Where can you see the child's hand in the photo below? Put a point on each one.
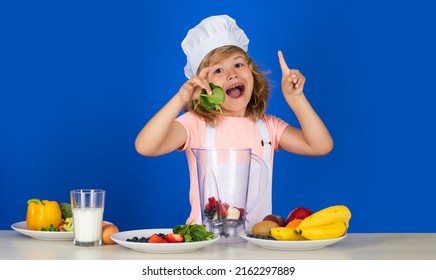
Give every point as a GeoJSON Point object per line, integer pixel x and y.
{"type": "Point", "coordinates": [191, 89]}
{"type": "Point", "coordinates": [292, 79]}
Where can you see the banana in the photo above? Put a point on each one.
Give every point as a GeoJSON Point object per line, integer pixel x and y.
{"type": "Point", "coordinates": [333, 230]}
{"type": "Point", "coordinates": [326, 216]}
{"type": "Point", "coordinates": [284, 233]}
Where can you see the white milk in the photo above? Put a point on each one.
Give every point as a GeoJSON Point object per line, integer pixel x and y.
{"type": "Point", "coordinates": [87, 224]}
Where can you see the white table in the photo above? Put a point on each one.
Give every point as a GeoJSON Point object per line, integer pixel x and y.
{"type": "Point", "coordinates": [356, 246]}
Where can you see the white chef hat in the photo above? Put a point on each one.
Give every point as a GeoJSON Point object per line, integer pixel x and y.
{"type": "Point", "coordinates": [211, 33]}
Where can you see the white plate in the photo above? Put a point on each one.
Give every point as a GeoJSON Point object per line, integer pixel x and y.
{"type": "Point", "coordinates": [121, 237]}
{"type": "Point", "coordinates": [297, 245]}
{"type": "Point", "coordinates": [21, 227]}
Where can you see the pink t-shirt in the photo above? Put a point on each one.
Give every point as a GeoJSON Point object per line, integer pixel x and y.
{"type": "Point", "coordinates": [231, 132]}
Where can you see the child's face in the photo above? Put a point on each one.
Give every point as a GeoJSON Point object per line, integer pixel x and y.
{"type": "Point", "coordinates": [235, 77]}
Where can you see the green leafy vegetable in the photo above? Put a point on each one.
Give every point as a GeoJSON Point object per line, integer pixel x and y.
{"type": "Point", "coordinates": [193, 233]}
{"type": "Point", "coordinates": [50, 228]}
{"type": "Point", "coordinates": [210, 102]}
{"type": "Point", "coordinates": [66, 210]}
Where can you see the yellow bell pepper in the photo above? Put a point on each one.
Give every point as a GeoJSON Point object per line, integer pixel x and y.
{"type": "Point", "coordinates": [42, 214]}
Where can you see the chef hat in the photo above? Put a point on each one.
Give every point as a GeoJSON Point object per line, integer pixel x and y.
{"type": "Point", "coordinates": [211, 33]}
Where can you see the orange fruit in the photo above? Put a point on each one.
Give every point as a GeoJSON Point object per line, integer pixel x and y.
{"type": "Point", "coordinates": [106, 233]}
{"type": "Point", "coordinates": [294, 223]}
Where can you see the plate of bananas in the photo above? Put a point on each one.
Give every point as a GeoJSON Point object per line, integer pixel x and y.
{"type": "Point", "coordinates": [321, 229]}
{"type": "Point", "coordinates": [290, 245]}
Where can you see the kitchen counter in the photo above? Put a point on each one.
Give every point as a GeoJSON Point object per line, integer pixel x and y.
{"type": "Point", "coordinates": [356, 246]}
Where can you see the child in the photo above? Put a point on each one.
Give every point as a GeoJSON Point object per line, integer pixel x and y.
{"type": "Point", "coordinates": [216, 52]}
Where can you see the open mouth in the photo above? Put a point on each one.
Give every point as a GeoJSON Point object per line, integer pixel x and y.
{"type": "Point", "coordinates": [236, 91]}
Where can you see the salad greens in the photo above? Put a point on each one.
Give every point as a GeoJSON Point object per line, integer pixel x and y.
{"type": "Point", "coordinates": [50, 228]}
{"type": "Point", "coordinates": [193, 233]}
{"type": "Point", "coordinates": [213, 101]}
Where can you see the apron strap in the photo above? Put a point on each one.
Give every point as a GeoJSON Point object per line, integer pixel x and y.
{"type": "Point", "coordinates": [210, 136]}
{"type": "Point", "coordinates": [265, 142]}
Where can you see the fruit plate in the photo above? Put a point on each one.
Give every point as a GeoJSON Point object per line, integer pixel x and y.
{"type": "Point", "coordinates": [21, 227]}
{"type": "Point", "coordinates": [297, 245]}
{"type": "Point", "coordinates": [121, 237]}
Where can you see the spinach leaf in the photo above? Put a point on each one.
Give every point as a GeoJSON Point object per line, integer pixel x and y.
{"type": "Point", "coordinates": [193, 233]}
{"type": "Point", "coordinates": [198, 234]}
{"type": "Point", "coordinates": [210, 102]}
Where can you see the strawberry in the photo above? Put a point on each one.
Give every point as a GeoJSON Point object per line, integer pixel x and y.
{"type": "Point", "coordinates": [174, 238]}
{"type": "Point", "coordinates": [241, 212]}
{"type": "Point", "coordinates": [156, 239]}
{"type": "Point", "coordinates": [212, 202]}
{"type": "Point", "coordinates": [223, 210]}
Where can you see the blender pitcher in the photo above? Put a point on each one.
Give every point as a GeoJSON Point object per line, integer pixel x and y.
{"type": "Point", "coordinates": [224, 181]}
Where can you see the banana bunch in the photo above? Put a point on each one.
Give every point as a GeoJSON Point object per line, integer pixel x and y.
{"type": "Point", "coordinates": [330, 222]}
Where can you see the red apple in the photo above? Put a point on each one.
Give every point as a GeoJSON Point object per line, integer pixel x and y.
{"type": "Point", "coordinates": [276, 219]}
{"type": "Point", "coordinates": [298, 213]}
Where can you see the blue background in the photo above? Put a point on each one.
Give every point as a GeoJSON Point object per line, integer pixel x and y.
{"type": "Point", "coordinates": [79, 79]}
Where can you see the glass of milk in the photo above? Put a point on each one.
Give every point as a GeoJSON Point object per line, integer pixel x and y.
{"type": "Point", "coordinates": [87, 206]}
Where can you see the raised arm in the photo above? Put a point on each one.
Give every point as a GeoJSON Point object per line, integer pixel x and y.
{"type": "Point", "coordinates": [313, 138]}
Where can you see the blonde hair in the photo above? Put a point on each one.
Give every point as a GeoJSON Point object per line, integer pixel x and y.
{"type": "Point", "coordinates": [256, 107]}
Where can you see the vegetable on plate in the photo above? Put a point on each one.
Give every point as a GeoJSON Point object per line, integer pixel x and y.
{"type": "Point", "coordinates": [193, 232]}
{"type": "Point", "coordinates": [43, 214]}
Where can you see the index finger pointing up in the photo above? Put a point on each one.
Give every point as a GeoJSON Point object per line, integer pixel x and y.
{"type": "Point", "coordinates": [282, 62]}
